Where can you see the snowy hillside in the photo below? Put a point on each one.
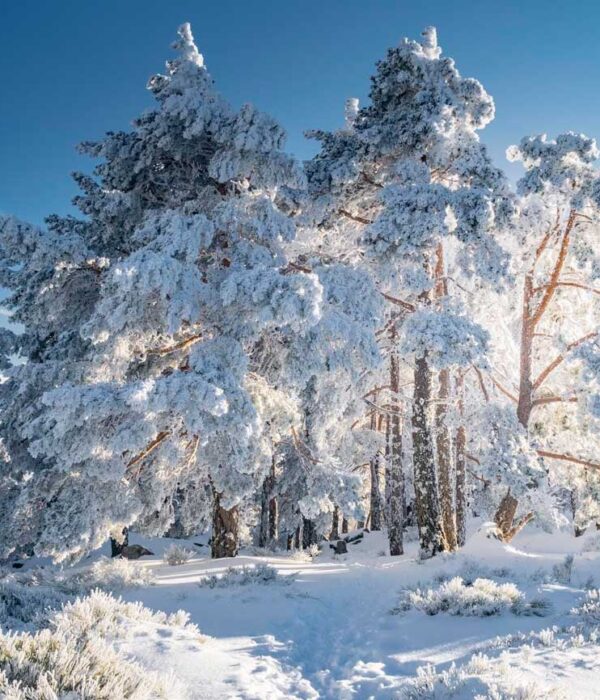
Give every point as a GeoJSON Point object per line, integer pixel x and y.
{"type": "Point", "coordinates": [351, 626]}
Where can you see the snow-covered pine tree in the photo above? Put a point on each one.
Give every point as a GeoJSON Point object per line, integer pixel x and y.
{"type": "Point", "coordinates": [182, 215]}
{"type": "Point", "coordinates": [330, 364]}
{"type": "Point", "coordinates": [345, 199]}
{"type": "Point", "coordinates": [556, 310]}
{"type": "Point", "coordinates": [439, 197]}
{"type": "Point", "coordinates": [53, 283]}
{"type": "Point", "coordinates": [321, 369]}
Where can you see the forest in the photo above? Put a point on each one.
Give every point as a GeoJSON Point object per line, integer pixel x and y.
{"type": "Point", "coordinates": [391, 342]}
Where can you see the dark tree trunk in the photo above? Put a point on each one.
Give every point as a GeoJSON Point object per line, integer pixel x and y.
{"type": "Point", "coordinates": [309, 533]}
{"type": "Point", "coordinates": [376, 505]}
{"type": "Point", "coordinates": [426, 496]}
{"type": "Point", "coordinates": [297, 538]}
{"type": "Point", "coordinates": [273, 520]}
{"type": "Point", "coordinates": [461, 471]}
{"type": "Point", "coordinates": [289, 542]}
{"type": "Point", "coordinates": [335, 524]}
{"type": "Point", "coordinates": [444, 462]}
{"type": "Point", "coordinates": [394, 477]}
{"type": "Point", "coordinates": [344, 526]}
{"type": "Point", "coordinates": [224, 541]}
{"type": "Point", "coordinates": [263, 526]}
{"type": "Point", "coordinates": [505, 518]}
{"type": "Point", "coordinates": [268, 529]}
{"type": "Point", "coordinates": [116, 547]}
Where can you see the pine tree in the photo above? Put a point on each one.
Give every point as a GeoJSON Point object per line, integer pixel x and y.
{"type": "Point", "coordinates": [193, 270]}
{"type": "Point", "coordinates": [556, 270]}
{"type": "Point", "coordinates": [408, 173]}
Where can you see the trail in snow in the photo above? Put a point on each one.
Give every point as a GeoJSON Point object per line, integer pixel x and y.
{"type": "Point", "coordinates": [331, 633]}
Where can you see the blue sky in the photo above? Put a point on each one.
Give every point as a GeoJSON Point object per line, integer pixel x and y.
{"type": "Point", "coordinates": [73, 69]}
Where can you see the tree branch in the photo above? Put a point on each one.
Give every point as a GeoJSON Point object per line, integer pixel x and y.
{"type": "Point", "coordinates": [399, 302]}
{"type": "Point", "coordinates": [355, 217]}
{"type": "Point", "coordinates": [482, 386]}
{"type": "Point", "coordinates": [182, 345]}
{"type": "Point", "coordinates": [150, 447]}
{"type": "Point", "coordinates": [543, 375]}
{"type": "Point", "coordinates": [553, 399]}
{"type": "Point", "coordinates": [571, 284]}
{"type": "Point", "coordinates": [568, 458]}
{"type": "Point", "coordinates": [506, 392]}
{"type": "Point", "coordinates": [555, 276]}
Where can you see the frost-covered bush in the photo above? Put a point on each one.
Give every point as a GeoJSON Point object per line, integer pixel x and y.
{"type": "Point", "coordinates": [589, 609]}
{"type": "Point", "coordinates": [28, 597]}
{"type": "Point", "coordinates": [103, 615]}
{"type": "Point", "coordinates": [73, 657]}
{"type": "Point", "coordinates": [49, 664]}
{"type": "Point", "coordinates": [484, 597]}
{"type": "Point", "coordinates": [22, 606]}
{"type": "Point", "coordinates": [306, 555]}
{"type": "Point", "coordinates": [562, 572]}
{"type": "Point", "coordinates": [481, 677]}
{"type": "Point", "coordinates": [301, 556]}
{"type": "Point", "coordinates": [262, 574]}
{"type": "Point", "coordinates": [176, 554]}
{"type": "Point", "coordinates": [105, 574]}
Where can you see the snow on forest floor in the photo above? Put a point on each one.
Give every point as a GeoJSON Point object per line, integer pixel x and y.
{"type": "Point", "coordinates": [340, 626]}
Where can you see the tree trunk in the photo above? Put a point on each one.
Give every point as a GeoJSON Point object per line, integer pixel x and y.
{"type": "Point", "coordinates": [344, 526]}
{"type": "Point", "coordinates": [505, 518]}
{"type": "Point", "coordinates": [506, 512]}
{"type": "Point", "coordinates": [461, 471]}
{"type": "Point", "coordinates": [525, 382]}
{"type": "Point", "coordinates": [263, 526]}
{"type": "Point", "coordinates": [508, 505]}
{"type": "Point", "coordinates": [116, 546]}
{"type": "Point", "coordinates": [297, 538]}
{"type": "Point", "coordinates": [224, 541]}
{"type": "Point", "coordinates": [376, 515]}
{"type": "Point", "coordinates": [394, 477]}
{"type": "Point", "coordinates": [273, 520]}
{"type": "Point", "coordinates": [376, 506]}
{"type": "Point", "coordinates": [268, 529]}
{"type": "Point", "coordinates": [442, 432]}
{"type": "Point", "coordinates": [309, 533]}
{"type": "Point", "coordinates": [335, 524]}
{"type": "Point", "coordinates": [444, 462]}
{"type": "Point", "coordinates": [426, 496]}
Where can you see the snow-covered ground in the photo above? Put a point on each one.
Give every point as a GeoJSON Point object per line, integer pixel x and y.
{"type": "Point", "coordinates": [347, 626]}
{"type": "Point", "coordinates": [338, 628]}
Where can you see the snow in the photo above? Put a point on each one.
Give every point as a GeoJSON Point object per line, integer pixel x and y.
{"type": "Point", "coordinates": [334, 629]}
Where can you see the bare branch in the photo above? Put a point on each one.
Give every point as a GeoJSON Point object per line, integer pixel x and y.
{"type": "Point", "coordinates": [555, 276]}
{"type": "Point", "coordinates": [182, 345]}
{"type": "Point", "coordinates": [554, 399]}
{"type": "Point", "coordinates": [506, 392]}
{"type": "Point", "coordinates": [568, 458]}
{"type": "Point", "coordinates": [559, 359]}
{"type": "Point", "coordinates": [399, 302]}
{"type": "Point", "coordinates": [482, 386]}
{"type": "Point", "coordinates": [355, 217]}
{"type": "Point", "coordinates": [150, 447]}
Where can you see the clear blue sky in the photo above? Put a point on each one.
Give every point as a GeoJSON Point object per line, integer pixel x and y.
{"type": "Point", "coordinates": [73, 69]}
